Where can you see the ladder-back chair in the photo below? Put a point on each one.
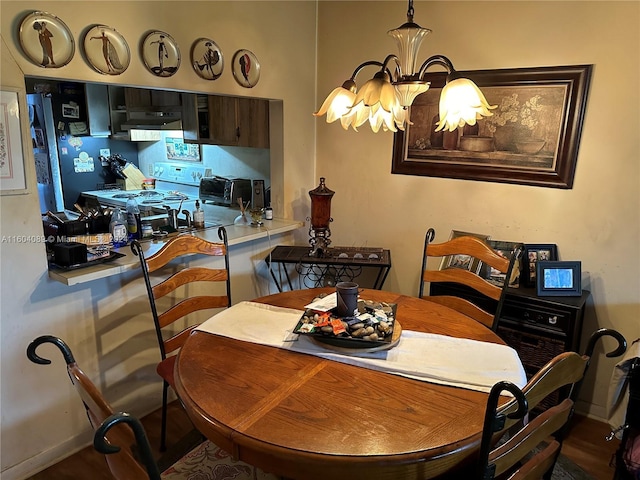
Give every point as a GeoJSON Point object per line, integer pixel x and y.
{"type": "Point", "coordinates": [469, 247]}
{"type": "Point", "coordinates": [122, 438]}
{"type": "Point", "coordinates": [181, 247]}
{"type": "Point", "coordinates": [527, 454]}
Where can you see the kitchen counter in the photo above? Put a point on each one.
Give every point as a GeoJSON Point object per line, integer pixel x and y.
{"type": "Point", "coordinates": [214, 215]}
{"type": "Point", "coordinates": [236, 234]}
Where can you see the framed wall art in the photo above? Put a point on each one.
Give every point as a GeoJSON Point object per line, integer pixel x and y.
{"type": "Point", "coordinates": [106, 50]}
{"type": "Point", "coordinates": [160, 54]}
{"type": "Point", "coordinates": [532, 138]}
{"type": "Point", "coordinates": [46, 40]}
{"type": "Point", "coordinates": [532, 254]}
{"type": "Point", "coordinates": [559, 279]}
{"type": "Point", "coordinates": [207, 59]}
{"type": "Point", "coordinates": [13, 178]}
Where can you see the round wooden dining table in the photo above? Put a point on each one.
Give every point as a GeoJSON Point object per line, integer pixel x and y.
{"type": "Point", "coordinates": [303, 417]}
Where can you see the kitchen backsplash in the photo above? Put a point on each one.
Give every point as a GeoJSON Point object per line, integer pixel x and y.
{"type": "Point", "coordinates": [231, 162]}
{"type": "Point", "coordinates": [177, 173]}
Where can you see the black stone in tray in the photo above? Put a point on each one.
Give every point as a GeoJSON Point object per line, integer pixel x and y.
{"type": "Point", "coordinates": [346, 340]}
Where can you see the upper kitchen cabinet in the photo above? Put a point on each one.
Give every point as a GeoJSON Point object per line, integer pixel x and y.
{"type": "Point", "coordinates": [230, 121]}
{"type": "Point", "coordinates": [147, 100]}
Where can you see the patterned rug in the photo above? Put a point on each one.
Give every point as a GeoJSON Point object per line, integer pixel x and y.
{"type": "Point", "coordinates": [567, 470]}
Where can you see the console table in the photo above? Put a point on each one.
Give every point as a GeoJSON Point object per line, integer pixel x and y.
{"type": "Point", "coordinates": [340, 264]}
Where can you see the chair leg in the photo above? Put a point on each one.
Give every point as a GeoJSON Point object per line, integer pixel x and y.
{"type": "Point", "coordinates": [163, 427]}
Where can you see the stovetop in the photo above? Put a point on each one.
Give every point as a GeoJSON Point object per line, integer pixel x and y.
{"type": "Point", "coordinates": [144, 198]}
{"type": "Point", "coordinates": [151, 197]}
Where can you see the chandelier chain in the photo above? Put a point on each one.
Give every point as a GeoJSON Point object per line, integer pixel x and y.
{"type": "Point", "coordinates": [410, 12]}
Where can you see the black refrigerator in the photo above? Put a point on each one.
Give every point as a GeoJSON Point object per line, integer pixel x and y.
{"type": "Point", "coordinates": [67, 156]}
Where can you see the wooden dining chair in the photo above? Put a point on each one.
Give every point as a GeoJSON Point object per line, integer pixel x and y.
{"type": "Point", "coordinates": [465, 280]}
{"type": "Point", "coordinates": [532, 448]}
{"type": "Point", "coordinates": [181, 305]}
{"type": "Point", "coordinates": [122, 438]}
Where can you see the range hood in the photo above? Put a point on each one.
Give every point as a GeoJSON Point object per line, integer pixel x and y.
{"type": "Point", "coordinates": [153, 121]}
{"type": "Point", "coordinates": [148, 126]}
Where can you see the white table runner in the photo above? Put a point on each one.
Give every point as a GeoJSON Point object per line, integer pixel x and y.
{"type": "Point", "coordinates": [427, 357]}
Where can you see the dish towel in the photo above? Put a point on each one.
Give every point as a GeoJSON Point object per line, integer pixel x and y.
{"type": "Point", "coordinates": [427, 357]}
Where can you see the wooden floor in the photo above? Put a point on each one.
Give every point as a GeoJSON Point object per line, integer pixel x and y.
{"type": "Point", "coordinates": [585, 445]}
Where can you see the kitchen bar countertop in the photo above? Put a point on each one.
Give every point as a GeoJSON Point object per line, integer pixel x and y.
{"type": "Point", "coordinates": [236, 234]}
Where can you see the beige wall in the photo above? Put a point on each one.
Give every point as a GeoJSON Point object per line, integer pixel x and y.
{"type": "Point", "coordinates": [597, 222]}
{"type": "Point", "coordinates": [106, 321]}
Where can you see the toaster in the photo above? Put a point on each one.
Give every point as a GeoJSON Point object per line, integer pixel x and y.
{"type": "Point", "coordinates": [225, 191]}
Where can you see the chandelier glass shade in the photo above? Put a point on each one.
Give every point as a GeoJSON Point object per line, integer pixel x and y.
{"type": "Point", "coordinates": [384, 100]}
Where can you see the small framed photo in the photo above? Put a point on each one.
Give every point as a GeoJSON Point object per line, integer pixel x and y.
{"type": "Point", "coordinates": [559, 278]}
{"type": "Point", "coordinates": [504, 249]}
{"type": "Point", "coordinates": [534, 253]}
{"type": "Point", "coordinates": [466, 262]}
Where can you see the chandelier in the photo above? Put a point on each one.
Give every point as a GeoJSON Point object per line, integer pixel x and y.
{"type": "Point", "coordinates": [385, 99]}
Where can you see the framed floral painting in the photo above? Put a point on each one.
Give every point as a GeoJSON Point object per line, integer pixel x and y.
{"type": "Point", "coordinates": [532, 138]}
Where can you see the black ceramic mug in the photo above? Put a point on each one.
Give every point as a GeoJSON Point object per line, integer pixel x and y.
{"type": "Point", "coordinates": [347, 296]}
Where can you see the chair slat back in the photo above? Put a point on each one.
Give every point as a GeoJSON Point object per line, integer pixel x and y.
{"type": "Point", "coordinates": [564, 369]}
{"type": "Point", "coordinates": [527, 440]}
{"type": "Point", "coordinates": [180, 247]}
{"type": "Point", "coordinates": [476, 248]}
{"type": "Point", "coordinates": [527, 453]}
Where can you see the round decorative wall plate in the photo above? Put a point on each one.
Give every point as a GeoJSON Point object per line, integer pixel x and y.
{"type": "Point", "coordinates": [106, 50]}
{"type": "Point", "coordinates": [160, 54]}
{"type": "Point", "coordinates": [46, 40]}
{"type": "Point", "coordinates": [206, 59]}
{"type": "Point", "coordinates": [246, 69]}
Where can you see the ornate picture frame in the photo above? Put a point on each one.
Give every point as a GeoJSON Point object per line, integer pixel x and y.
{"type": "Point", "coordinates": [532, 138]}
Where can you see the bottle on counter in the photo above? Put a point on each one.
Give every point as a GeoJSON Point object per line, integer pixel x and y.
{"type": "Point", "coordinates": [198, 216]}
{"type": "Point", "coordinates": [268, 213]}
{"type": "Point", "coordinates": [118, 228]}
{"type": "Point", "coordinates": [133, 218]}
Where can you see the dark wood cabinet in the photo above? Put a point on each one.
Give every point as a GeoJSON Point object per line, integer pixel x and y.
{"type": "Point", "coordinates": [238, 121]}
{"type": "Point", "coordinates": [230, 121]}
{"type": "Point", "coordinates": [144, 99]}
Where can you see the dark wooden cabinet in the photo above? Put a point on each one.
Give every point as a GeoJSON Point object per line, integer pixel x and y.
{"type": "Point", "coordinates": [144, 99]}
{"type": "Point", "coordinates": [230, 121]}
{"type": "Point", "coordinates": [238, 121]}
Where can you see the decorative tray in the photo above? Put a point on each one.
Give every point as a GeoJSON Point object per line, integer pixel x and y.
{"type": "Point", "coordinates": [374, 328]}
{"type": "Point", "coordinates": [90, 261]}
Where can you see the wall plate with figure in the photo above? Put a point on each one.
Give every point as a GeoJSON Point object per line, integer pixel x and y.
{"type": "Point", "coordinates": [160, 54]}
{"type": "Point", "coordinates": [206, 59]}
{"type": "Point", "coordinates": [106, 50]}
{"type": "Point", "coordinates": [46, 40]}
{"type": "Point", "coordinates": [246, 68]}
